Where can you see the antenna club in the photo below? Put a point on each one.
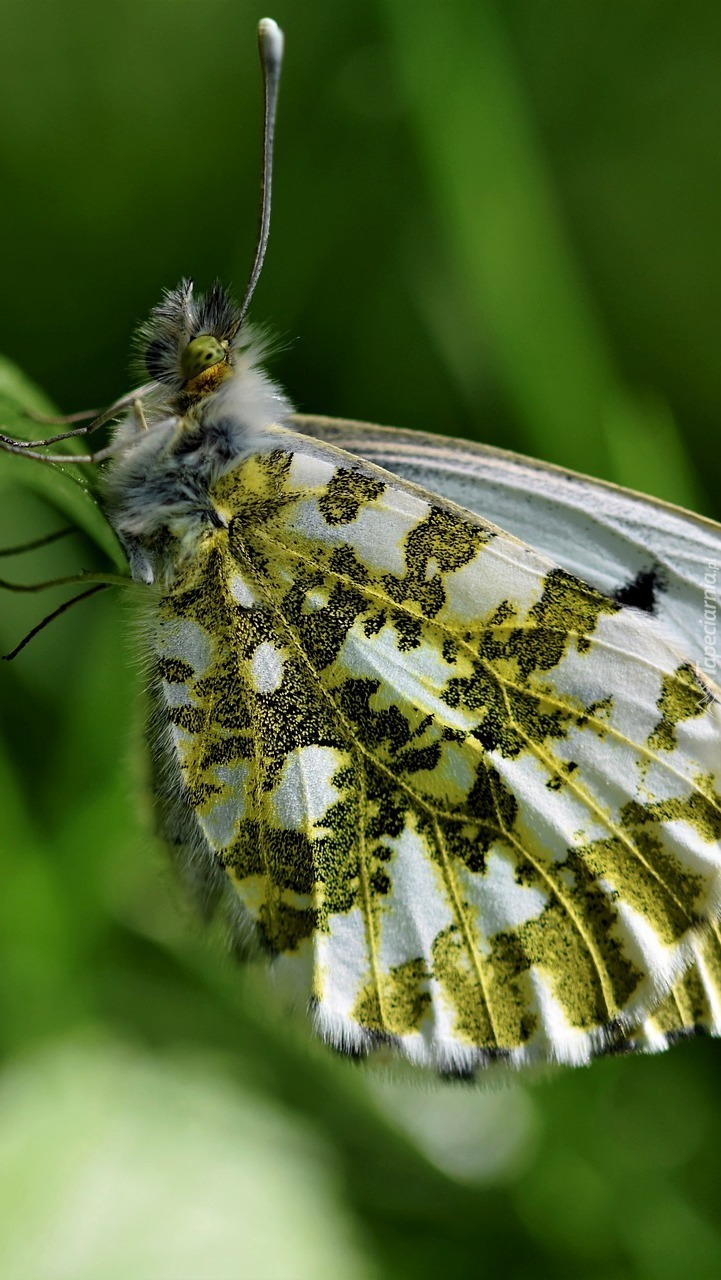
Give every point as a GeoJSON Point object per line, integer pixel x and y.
{"type": "Point", "coordinates": [270, 45]}
{"type": "Point", "coordinates": [271, 42]}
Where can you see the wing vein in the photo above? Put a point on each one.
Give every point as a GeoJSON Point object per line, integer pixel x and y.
{"type": "Point", "coordinates": [556, 890]}
{"type": "Point", "coordinates": [461, 916]}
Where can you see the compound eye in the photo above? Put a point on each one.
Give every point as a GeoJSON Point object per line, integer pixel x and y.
{"type": "Point", "coordinates": [201, 354]}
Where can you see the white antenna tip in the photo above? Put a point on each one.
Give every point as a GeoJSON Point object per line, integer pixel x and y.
{"type": "Point", "coordinates": [271, 41]}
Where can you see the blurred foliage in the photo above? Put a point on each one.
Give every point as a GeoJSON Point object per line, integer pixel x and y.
{"type": "Point", "coordinates": [491, 220]}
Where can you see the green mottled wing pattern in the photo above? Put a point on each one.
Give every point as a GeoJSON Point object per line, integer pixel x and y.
{"type": "Point", "coordinates": [471, 802]}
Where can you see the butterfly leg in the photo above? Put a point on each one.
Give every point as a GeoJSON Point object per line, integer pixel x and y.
{"type": "Point", "coordinates": [98, 420]}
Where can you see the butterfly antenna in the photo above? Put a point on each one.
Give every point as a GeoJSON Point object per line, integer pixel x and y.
{"type": "Point", "coordinates": [270, 45]}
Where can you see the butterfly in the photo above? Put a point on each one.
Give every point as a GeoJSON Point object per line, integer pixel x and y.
{"type": "Point", "coordinates": [437, 726]}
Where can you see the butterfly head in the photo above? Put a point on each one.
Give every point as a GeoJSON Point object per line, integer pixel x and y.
{"type": "Point", "coordinates": [189, 344]}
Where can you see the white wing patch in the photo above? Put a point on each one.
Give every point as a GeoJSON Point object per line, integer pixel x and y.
{"type": "Point", "coordinates": [306, 790]}
{"type": "Point", "coordinates": [266, 668]}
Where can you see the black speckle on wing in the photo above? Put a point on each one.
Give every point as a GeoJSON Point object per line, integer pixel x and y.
{"type": "Point", "coordinates": [642, 592]}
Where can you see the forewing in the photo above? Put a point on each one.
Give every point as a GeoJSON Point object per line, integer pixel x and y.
{"type": "Point", "coordinates": [474, 802]}
{"type": "Point", "coordinates": [639, 550]}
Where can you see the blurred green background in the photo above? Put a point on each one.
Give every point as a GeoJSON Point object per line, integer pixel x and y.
{"type": "Point", "coordinates": [491, 220]}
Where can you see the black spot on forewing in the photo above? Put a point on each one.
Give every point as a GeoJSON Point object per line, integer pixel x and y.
{"type": "Point", "coordinates": [642, 592]}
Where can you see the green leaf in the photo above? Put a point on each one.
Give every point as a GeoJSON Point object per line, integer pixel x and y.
{"type": "Point", "coordinates": [65, 486]}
